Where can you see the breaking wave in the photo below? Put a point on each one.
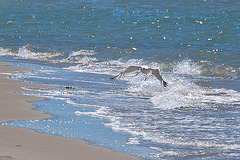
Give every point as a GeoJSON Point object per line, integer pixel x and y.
{"type": "Point", "coordinates": [26, 52]}
{"type": "Point", "coordinates": [205, 68]}
{"type": "Point", "coordinates": [87, 61]}
{"type": "Point", "coordinates": [182, 91]}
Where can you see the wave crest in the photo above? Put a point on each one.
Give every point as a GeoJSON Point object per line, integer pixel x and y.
{"type": "Point", "coordinates": [204, 68]}
{"type": "Point", "coordinates": [26, 52]}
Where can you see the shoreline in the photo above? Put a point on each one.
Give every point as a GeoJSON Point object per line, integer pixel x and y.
{"type": "Point", "coordinates": [23, 144]}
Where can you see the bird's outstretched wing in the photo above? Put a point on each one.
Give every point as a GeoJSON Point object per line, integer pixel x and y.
{"type": "Point", "coordinates": [156, 73]}
{"type": "Point", "coordinates": [130, 69]}
{"type": "Point", "coordinates": [127, 70]}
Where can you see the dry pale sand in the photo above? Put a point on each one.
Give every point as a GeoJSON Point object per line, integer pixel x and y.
{"type": "Point", "coordinates": [23, 144]}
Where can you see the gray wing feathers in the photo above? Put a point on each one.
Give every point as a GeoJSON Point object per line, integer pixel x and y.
{"type": "Point", "coordinates": [127, 70]}
{"type": "Point", "coordinates": [132, 69]}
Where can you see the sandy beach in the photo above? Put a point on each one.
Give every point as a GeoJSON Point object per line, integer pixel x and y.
{"type": "Point", "coordinates": [23, 144]}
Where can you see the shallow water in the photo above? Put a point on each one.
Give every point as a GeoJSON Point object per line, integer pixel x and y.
{"type": "Point", "coordinates": [82, 44]}
{"type": "Point", "coordinates": [137, 117]}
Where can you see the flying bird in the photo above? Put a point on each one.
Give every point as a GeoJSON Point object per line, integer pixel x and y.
{"type": "Point", "coordinates": [154, 72]}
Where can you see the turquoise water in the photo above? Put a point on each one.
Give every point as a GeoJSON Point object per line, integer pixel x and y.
{"type": "Point", "coordinates": [166, 31]}
{"type": "Point", "coordinates": [82, 44]}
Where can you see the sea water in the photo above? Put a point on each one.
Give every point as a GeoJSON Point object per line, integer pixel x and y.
{"type": "Point", "coordinates": [82, 44]}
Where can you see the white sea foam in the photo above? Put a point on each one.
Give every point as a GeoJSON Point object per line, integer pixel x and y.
{"type": "Point", "coordinates": [81, 105]}
{"type": "Point", "coordinates": [165, 138]}
{"type": "Point", "coordinates": [86, 113]}
{"type": "Point", "coordinates": [82, 56]}
{"type": "Point", "coordinates": [5, 52]}
{"type": "Point", "coordinates": [187, 67]}
{"type": "Point", "coordinates": [134, 140]}
{"type": "Point", "coordinates": [187, 142]}
{"type": "Point", "coordinates": [81, 53]}
{"type": "Point", "coordinates": [26, 53]}
{"type": "Point", "coordinates": [181, 93]}
{"type": "Point", "coordinates": [91, 65]}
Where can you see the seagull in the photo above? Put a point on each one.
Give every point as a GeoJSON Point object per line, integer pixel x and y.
{"type": "Point", "coordinates": [154, 72]}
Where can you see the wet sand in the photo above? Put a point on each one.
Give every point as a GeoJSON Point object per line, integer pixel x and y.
{"type": "Point", "coordinates": [24, 144]}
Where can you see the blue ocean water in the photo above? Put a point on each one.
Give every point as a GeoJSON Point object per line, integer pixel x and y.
{"type": "Point", "coordinates": [82, 44]}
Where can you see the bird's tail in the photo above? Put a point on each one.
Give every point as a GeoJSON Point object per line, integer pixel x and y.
{"type": "Point", "coordinates": [117, 76]}
{"type": "Point", "coordinates": [113, 78]}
